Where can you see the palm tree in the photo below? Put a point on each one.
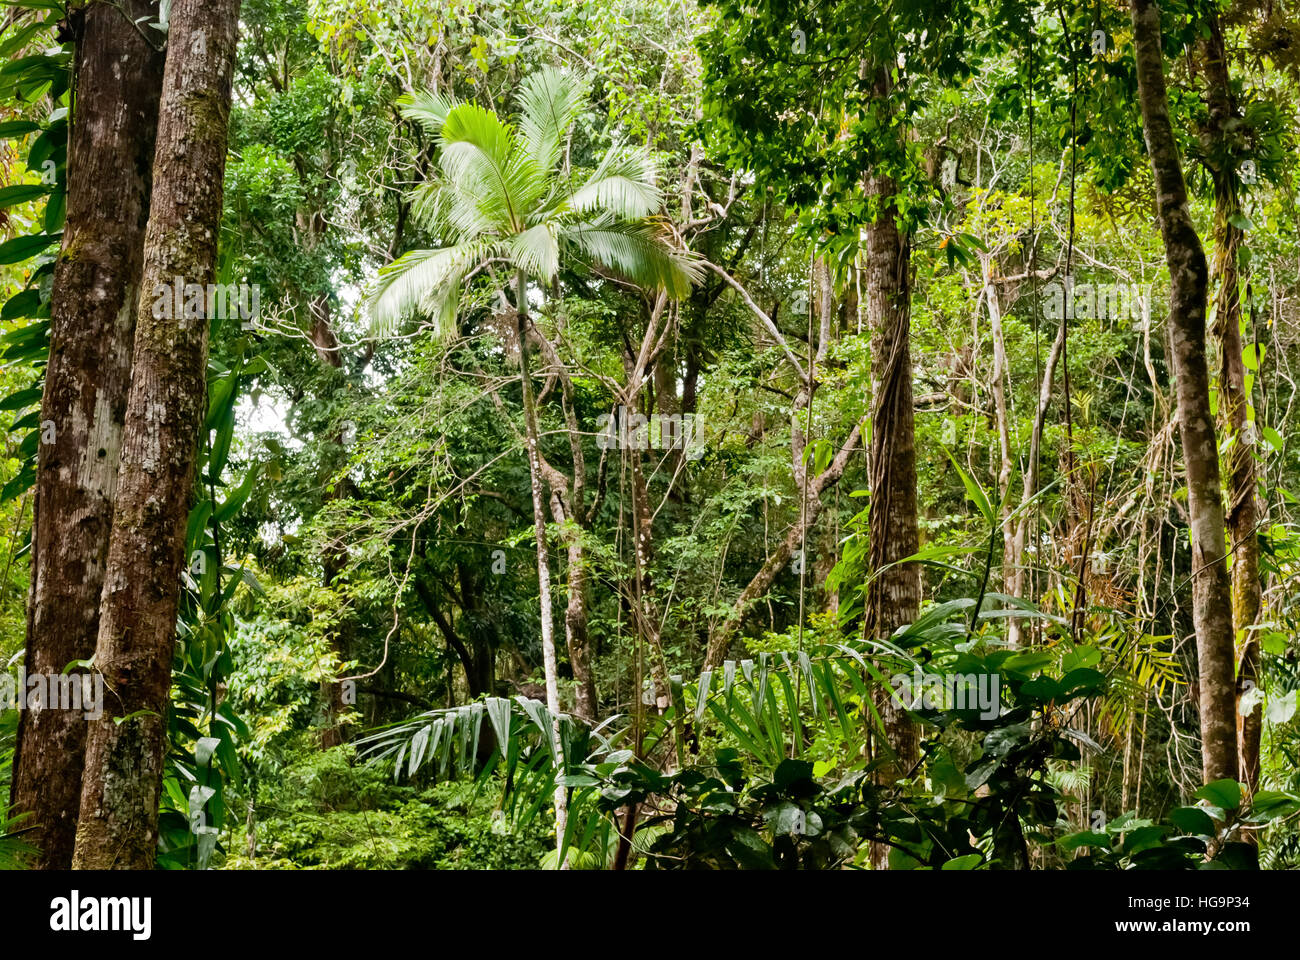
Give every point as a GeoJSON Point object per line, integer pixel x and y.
{"type": "Point", "coordinates": [506, 194]}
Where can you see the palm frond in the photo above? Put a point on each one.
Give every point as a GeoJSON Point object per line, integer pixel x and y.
{"type": "Point", "coordinates": [496, 191]}
{"type": "Point", "coordinates": [536, 251]}
{"type": "Point", "coordinates": [636, 252]}
{"type": "Point", "coordinates": [423, 282]}
{"type": "Point", "coordinates": [481, 160]}
{"type": "Point", "coordinates": [549, 103]}
{"type": "Point", "coordinates": [15, 852]}
{"type": "Point", "coordinates": [427, 109]}
{"type": "Point", "coordinates": [452, 215]}
{"type": "Point", "coordinates": [624, 185]}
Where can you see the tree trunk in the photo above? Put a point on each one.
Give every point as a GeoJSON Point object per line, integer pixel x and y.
{"type": "Point", "coordinates": [335, 555]}
{"type": "Point", "coordinates": [118, 79]}
{"type": "Point", "coordinates": [549, 664]}
{"type": "Point", "coordinates": [1002, 412]}
{"type": "Point", "coordinates": [643, 587]}
{"type": "Point", "coordinates": [165, 407]}
{"type": "Point", "coordinates": [570, 512]}
{"type": "Point", "coordinates": [894, 590]}
{"type": "Point", "coordinates": [483, 634]}
{"type": "Point", "coordinates": [1211, 600]}
{"type": "Point", "coordinates": [894, 593]}
{"type": "Point", "coordinates": [1243, 514]}
{"type": "Point", "coordinates": [575, 629]}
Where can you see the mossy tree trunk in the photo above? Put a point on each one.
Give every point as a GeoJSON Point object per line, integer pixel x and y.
{"type": "Point", "coordinates": [1243, 510]}
{"type": "Point", "coordinates": [1188, 279]}
{"type": "Point", "coordinates": [118, 82]}
{"type": "Point", "coordinates": [166, 403]}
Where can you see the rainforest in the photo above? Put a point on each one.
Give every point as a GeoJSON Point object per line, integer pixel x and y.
{"type": "Point", "coordinates": [649, 435]}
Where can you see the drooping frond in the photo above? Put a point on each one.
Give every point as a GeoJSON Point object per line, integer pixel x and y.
{"type": "Point", "coordinates": [452, 215]}
{"type": "Point", "coordinates": [636, 252]}
{"type": "Point", "coordinates": [427, 109]}
{"type": "Point", "coordinates": [549, 103]}
{"type": "Point", "coordinates": [423, 282]}
{"type": "Point", "coordinates": [624, 184]}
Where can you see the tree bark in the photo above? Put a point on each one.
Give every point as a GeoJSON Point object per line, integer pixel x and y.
{"type": "Point", "coordinates": [1002, 412]}
{"type": "Point", "coordinates": [1188, 275]}
{"type": "Point", "coordinates": [1243, 512]}
{"type": "Point", "coordinates": [571, 513]}
{"type": "Point", "coordinates": [165, 407]}
{"type": "Point", "coordinates": [894, 589]}
{"type": "Point", "coordinates": [894, 593]}
{"type": "Point", "coordinates": [118, 82]}
{"type": "Point", "coordinates": [643, 584]}
{"type": "Point", "coordinates": [334, 559]}
{"type": "Point", "coordinates": [577, 637]}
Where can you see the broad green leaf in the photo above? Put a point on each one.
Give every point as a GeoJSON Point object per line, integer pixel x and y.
{"type": "Point", "coordinates": [1224, 793]}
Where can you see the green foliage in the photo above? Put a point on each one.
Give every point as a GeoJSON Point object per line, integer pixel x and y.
{"type": "Point", "coordinates": [325, 812]}
{"type": "Point", "coordinates": [362, 505]}
{"type": "Point", "coordinates": [14, 851]}
{"type": "Point", "coordinates": [503, 194]}
{"type": "Point", "coordinates": [1207, 836]}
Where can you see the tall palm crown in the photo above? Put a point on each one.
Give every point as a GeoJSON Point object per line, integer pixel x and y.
{"type": "Point", "coordinates": [503, 193]}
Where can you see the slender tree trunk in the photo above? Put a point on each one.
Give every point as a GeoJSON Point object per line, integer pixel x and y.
{"type": "Point", "coordinates": [575, 628]}
{"type": "Point", "coordinates": [118, 80]}
{"type": "Point", "coordinates": [894, 591]}
{"type": "Point", "coordinates": [1015, 561]}
{"type": "Point", "coordinates": [483, 635]}
{"type": "Point", "coordinates": [549, 663]}
{"type": "Point", "coordinates": [643, 592]}
{"type": "Point", "coordinates": [1211, 597]}
{"type": "Point", "coordinates": [335, 556]}
{"type": "Point", "coordinates": [165, 407]}
{"type": "Point", "coordinates": [1243, 513]}
{"type": "Point", "coordinates": [999, 384]}
{"type": "Point", "coordinates": [570, 511]}
{"type": "Point", "coordinates": [473, 637]}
